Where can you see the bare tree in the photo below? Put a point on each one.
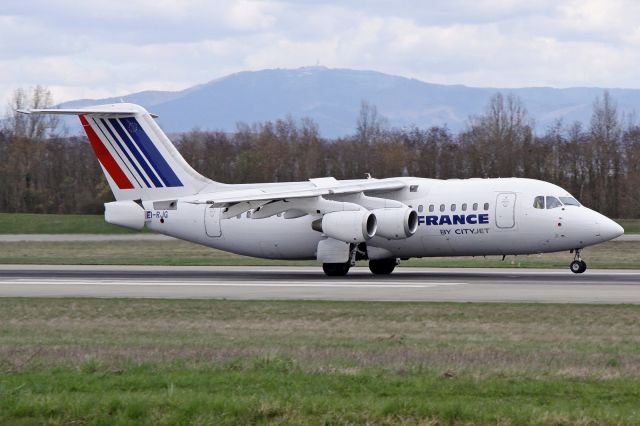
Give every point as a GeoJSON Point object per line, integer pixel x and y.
{"type": "Point", "coordinates": [606, 133]}
{"type": "Point", "coordinates": [30, 126]}
{"type": "Point", "coordinates": [369, 129]}
{"type": "Point", "coordinates": [498, 135]}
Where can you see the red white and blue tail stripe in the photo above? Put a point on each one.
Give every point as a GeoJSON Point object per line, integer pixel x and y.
{"type": "Point", "coordinates": [138, 159]}
{"type": "Point", "coordinates": [127, 153]}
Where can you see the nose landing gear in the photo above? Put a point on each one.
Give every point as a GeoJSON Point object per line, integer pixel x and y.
{"type": "Point", "coordinates": [578, 265]}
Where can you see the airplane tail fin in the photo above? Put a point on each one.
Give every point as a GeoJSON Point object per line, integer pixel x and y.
{"type": "Point", "coordinates": [137, 158]}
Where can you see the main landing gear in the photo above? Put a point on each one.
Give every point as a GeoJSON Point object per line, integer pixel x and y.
{"type": "Point", "coordinates": [359, 252]}
{"type": "Point", "coordinates": [336, 269]}
{"type": "Point", "coordinates": [578, 265]}
{"type": "Point", "coordinates": [377, 267]}
{"type": "Point", "coordinates": [356, 252]}
{"type": "Point", "coordinates": [383, 266]}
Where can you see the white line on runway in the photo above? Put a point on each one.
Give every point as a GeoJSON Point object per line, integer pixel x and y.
{"type": "Point", "coordinates": [340, 284]}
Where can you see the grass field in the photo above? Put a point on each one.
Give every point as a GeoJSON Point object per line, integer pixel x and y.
{"type": "Point", "coordinates": [624, 254]}
{"type": "Point", "coordinates": [90, 361]}
{"type": "Point", "coordinates": [631, 226]}
{"type": "Point", "coordinates": [23, 223]}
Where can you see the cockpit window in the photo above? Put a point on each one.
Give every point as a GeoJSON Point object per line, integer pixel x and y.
{"type": "Point", "coordinates": [553, 202]}
{"type": "Point", "coordinates": [569, 201]}
{"type": "Point", "coordinates": [538, 202]}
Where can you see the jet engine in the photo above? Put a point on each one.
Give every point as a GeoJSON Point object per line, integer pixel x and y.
{"type": "Point", "coordinates": [355, 226]}
{"type": "Point", "coordinates": [396, 224]}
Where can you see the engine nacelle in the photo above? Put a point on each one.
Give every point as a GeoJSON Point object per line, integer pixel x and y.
{"type": "Point", "coordinates": [124, 213]}
{"type": "Point", "coordinates": [396, 224]}
{"type": "Point", "coordinates": [355, 226]}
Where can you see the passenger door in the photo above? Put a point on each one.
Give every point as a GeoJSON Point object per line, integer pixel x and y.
{"type": "Point", "coordinates": [505, 210]}
{"type": "Point", "coordinates": [212, 222]}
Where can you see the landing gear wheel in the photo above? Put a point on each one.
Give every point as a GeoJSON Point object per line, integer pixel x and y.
{"type": "Point", "coordinates": [336, 269]}
{"type": "Point", "coordinates": [583, 266]}
{"type": "Point", "coordinates": [382, 266]}
{"type": "Point", "coordinates": [578, 265]}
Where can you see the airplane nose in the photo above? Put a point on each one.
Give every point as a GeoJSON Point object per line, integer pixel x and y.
{"type": "Point", "coordinates": [610, 230]}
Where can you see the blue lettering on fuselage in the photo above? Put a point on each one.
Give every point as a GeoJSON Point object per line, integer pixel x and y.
{"type": "Point", "coordinates": [456, 219]}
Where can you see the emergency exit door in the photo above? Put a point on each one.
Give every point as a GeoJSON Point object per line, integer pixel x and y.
{"type": "Point", "coordinates": [212, 222]}
{"type": "Point", "coordinates": [506, 210]}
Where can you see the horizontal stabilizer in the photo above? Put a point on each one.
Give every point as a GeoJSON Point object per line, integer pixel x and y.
{"type": "Point", "coordinates": [110, 109]}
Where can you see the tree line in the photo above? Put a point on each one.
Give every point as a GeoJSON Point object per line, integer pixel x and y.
{"type": "Point", "coordinates": [43, 171]}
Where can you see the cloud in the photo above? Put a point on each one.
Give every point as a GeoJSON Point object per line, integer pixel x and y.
{"type": "Point", "coordinates": [97, 48]}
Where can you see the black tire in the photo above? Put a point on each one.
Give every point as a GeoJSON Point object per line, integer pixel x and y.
{"type": "Point", "coordinates": [578, 266]}
{"type": "Point", "coordinates": [583, 266]}
{"type": "Point", "coordinates": [336, 269]}
{"type": "Point", "coordinates": [382, 266]}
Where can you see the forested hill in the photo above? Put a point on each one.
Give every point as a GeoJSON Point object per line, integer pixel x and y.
{"type": "Point", "coordinates": [332, 98]}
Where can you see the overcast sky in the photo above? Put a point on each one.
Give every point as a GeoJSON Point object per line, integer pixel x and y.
{"type": "Point", "coordinates": [102, 48]}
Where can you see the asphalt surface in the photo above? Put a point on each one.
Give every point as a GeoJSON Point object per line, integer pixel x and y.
{"type": "Point", "coordinates": [405, 284]}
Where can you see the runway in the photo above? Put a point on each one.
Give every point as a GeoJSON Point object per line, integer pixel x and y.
{"type": "Point", "coordinates": [309, 283]}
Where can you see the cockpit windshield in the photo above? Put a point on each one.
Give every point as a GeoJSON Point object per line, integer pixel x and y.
{"type": "Point", "coordinates": [538, 202]}
{"type": "Point", "coordinates": [550, 202]}
{"type": "Point", "coordinates": [569, 201]}
{"type": "Point", "coordinates": [553, 202]}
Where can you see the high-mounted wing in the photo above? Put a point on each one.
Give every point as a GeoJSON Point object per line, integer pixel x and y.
{"type": "Point", "coordinates": [325, 195]}
{"type": "Point", "coordinates": [230, 197]}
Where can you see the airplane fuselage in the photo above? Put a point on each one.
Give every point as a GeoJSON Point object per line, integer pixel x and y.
{"type": "Point", "coordinates": [457, 217]}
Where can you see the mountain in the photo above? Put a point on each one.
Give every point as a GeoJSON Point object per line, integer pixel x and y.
{"type": "Point", "coordinates": [332, 97]}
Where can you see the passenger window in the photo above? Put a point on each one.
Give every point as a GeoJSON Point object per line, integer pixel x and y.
{"type": "Point", "coordinates": [420, 208]}
{"type": "Point", "coordinates": [553, 202]}
{"type": "Point", "coordinates": [441, 207]}
{"type": "Point", "coordinates": [475, 207]}
{"type": "Point", "coordinates": [464, 207]}
{"type": "Point", "coordinates": [453, 207]}
{"type": "Point", "coordinates": [538, 202]}
{"type": "Point", "coordinates": [486, 206]}
{"type": "Point", "coordinates": [413, 188]}
{"type": "Point", "coordinates": [431, 208]}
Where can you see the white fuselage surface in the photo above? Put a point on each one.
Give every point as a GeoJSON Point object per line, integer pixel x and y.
{"type": "Point", "coordinates": [468, 217]}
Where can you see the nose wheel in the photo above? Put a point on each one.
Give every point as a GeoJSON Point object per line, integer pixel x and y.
{"type": "Point", "coordinates": [578, 265]}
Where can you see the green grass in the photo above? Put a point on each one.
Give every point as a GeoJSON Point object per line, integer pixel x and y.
{"type": "Point", "coordinates": [624, 254]}
{"type": "Point", "coordinates": [91, 361]}
{"type": "Point", "coordinates": [276, 392]}
{"type": "Point", "coordinates": [25, 223]}
{"type": "Point", "coordinates": [631, 226]}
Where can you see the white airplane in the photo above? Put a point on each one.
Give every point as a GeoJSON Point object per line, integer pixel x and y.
{"type": "Point", "coordinates": [334, 221]}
